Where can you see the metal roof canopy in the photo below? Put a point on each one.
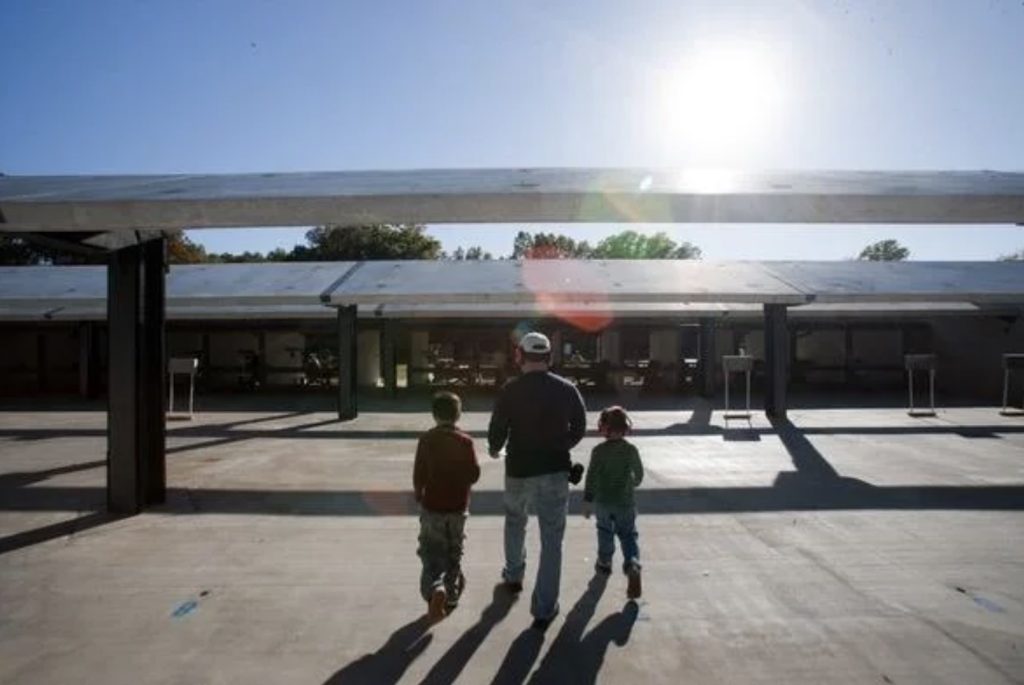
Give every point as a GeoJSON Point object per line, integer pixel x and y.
{"type": "Point", "coordinates": [562, 282]}
{"type": "Point", "coordinates": [165, 202]}
{"type": "Point", "coordinates": [543, 285]}
{"type": "Point", "coordinates": [613, 311]}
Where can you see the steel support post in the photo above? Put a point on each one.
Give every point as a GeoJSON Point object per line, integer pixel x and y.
{"type": "Point", "coordinates": [124, 492]}
{"type": "Point", "coordinates": [707, 358]}
{"type": "Point", "coordinates": [347, 349]}
{"type": "Point", "coordinates": [776, 357]}
{"type": "Point", "coordinates": [389, 357]}
{"type": "Point", "coordinates": [153, 374]}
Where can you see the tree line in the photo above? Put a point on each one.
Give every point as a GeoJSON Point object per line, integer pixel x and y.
{"type": "Point", "coordinates": [411, 241]}
{"type": "Point", "coordinates": [379, 241]}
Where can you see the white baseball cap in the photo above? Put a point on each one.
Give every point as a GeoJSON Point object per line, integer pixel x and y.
{"type": "Point", "coordinates": [535, 343]}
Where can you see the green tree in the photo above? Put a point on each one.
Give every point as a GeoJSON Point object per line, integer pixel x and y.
{"type": "Point", "coordinates": [376, 241]}
{"type": "Point", "coordinates": [1017, 256]}
{"type": "Point", "coordinates": [633, 245]}
{"type": "Point", "coordinates": [884, 251]}
{"type": "Point", "coordinates": [548, 246]}
{"type": "Point", "coordinates": [181, 250]}
{"type": "Point", "coordinates": [463, 254]}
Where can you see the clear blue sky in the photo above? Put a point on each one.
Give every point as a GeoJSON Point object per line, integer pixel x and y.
{"type": "Point", "coordinates": [143, 86]}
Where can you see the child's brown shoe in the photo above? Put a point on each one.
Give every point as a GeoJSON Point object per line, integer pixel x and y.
{"type": "Point", "coordinates": [436, 605]}
{"type": "Point", "coordinates": [633, 586]}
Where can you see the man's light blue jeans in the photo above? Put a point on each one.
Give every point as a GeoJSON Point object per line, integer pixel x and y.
{"type": "Point", "coordinates": [549, 496]}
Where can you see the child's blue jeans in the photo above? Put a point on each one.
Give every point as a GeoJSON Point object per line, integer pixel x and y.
{"type": "Point", "coordinates": [615, 521]}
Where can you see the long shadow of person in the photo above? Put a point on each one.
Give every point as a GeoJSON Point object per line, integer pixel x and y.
{"type": "Point", "coordinates": [524, 650]}
{"type": "Point", "coordinates": [615, 628]}
{"type": "Point", "coordinates": [520, 658]}
{"type": "Point", "coordinates": [449, 666]}
{"type": "Point", "coordinates": [575, 658]}
{"type": "Point", "coordinates": [388, 664]}
{"type": "Point", "coordinates": [560, 661]}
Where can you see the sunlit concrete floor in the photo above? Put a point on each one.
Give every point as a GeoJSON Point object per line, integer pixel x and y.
{"type": "Point", "coordinates": [851, 545]}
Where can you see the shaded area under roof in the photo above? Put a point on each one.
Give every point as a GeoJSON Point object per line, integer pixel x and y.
{"type": "Point", "coordinates": [128, 203]}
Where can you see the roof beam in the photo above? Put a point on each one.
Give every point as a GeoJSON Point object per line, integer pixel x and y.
{"type": "Point", "coordinates": [127, 203]}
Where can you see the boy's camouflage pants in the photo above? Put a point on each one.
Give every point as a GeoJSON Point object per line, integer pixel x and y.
{"type": "Point", "coordinates": [441, 538]}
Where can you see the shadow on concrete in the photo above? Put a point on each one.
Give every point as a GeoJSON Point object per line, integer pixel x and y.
{"type": "Point", "coordinates": [813, 486]}
{"type": "Point", "coordinates": [791, 491]}
{"type": "Point", "coordinates": [56, 530]}
{"type": "Point", "coordinates": [482, 399]}
{"type": "Point", "coordinates": [577, 658]}
{"type": "Point", "coordinates": [450, 665]}
{"type": "Point", "coordinates": [387, 665]}
{"type": "Point", "coordinates": [17, 479]}
{"type": "Point", "coordinates": [809, 462]}
{"type": "Point", "coordinates": [520, 658]}
{"type": "Point", "coordinates": [224, 434]}
{"type": "Point", "coordinates": [11, 484]}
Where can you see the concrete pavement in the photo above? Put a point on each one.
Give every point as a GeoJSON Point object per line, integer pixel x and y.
{"type": "Point", "coordinates": [852, 545]}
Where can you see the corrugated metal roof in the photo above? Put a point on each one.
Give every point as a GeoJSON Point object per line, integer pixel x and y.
{"type": "Point", "coordinates": [417, 289]}
{"type": "Point", "coordinates": [561, 280]}
{"type": "Point", "coordinates": [128, 203]}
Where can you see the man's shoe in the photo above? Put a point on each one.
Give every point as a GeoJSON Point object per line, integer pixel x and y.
{"type": "Point", "coordinates": [633, 585]}
{"type": "Point", "coordinates": [542, 624]}
{"type": "Point", "coordinates": [436, 605]}
{"type": "Point", "coordinates": [603, 567]}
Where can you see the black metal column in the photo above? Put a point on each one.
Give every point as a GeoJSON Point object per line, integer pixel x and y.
{"type": "Point", "coordinates": [153, 375]}
{"type": "Point", "coordinates": [124, 495]}
{"type": "Point", "coordinates": [776, 358]}
{"type": "Point", "coordinates": [389, 357]}
{"type": "Point", "coordinates": [261, 360]}
{"type": "Point", "coordinates": [85, 363]}
{"type": "Point", "coordinates": [42, 364]}
{"type": "Point", "coordinates": [347, 347]}
{"type": "Point", "coordinates": [707, 358]}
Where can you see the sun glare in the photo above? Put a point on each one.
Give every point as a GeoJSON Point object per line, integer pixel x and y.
{"type": "Point", "coordinates": [720, 99]}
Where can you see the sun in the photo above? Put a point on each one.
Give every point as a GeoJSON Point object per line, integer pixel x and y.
{"type": "Point", "coordinates": [720, 99]}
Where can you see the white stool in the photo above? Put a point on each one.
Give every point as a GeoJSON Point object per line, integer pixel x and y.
{"type": "Point", "coordinates": [920, 362]}
{"type": "Point", "coordinates": [737, 363]}
{"type": "Point", "coordinates": [182, 366]}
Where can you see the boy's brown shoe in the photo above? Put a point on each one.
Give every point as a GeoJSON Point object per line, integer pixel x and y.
{"type": "Point", "coordinates": [633, 586]}
{"type": "Point", "coordinates": [436, 605]}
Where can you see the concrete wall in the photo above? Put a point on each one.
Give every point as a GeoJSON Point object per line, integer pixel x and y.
{"type": "Point", "coordinates": [665, 346]}
{"type": "Point", "coordinates": [821, 348]}
{"type": "Point", "coordinates": [609, 345]}
{"type": "Point", "coordinates": [368, 359]}
{"type": "Point", "coordinates": [284, 352]}
{"type": "Point", "coordinates": [184, 344]}
{"type": "Point", "coordinates": [44, 359]}
{"type": "Point", "coordinates": [970, 356]}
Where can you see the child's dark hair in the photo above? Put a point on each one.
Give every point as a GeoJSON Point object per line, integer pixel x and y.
{"type": "Point", "coordinates": [615, 419]}
{"type": "Point", "coordinates": [446, 406]}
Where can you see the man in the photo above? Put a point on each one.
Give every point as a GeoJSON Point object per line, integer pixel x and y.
{"type": "Point", "coordinates": [542, 417]}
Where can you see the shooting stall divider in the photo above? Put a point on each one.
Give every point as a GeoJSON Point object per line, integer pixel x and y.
{"type": "Point", "coordinates": [737, 363]}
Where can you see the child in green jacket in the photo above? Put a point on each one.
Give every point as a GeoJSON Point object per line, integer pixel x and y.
{"type": "Point", "coordinates": [615, 471]}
